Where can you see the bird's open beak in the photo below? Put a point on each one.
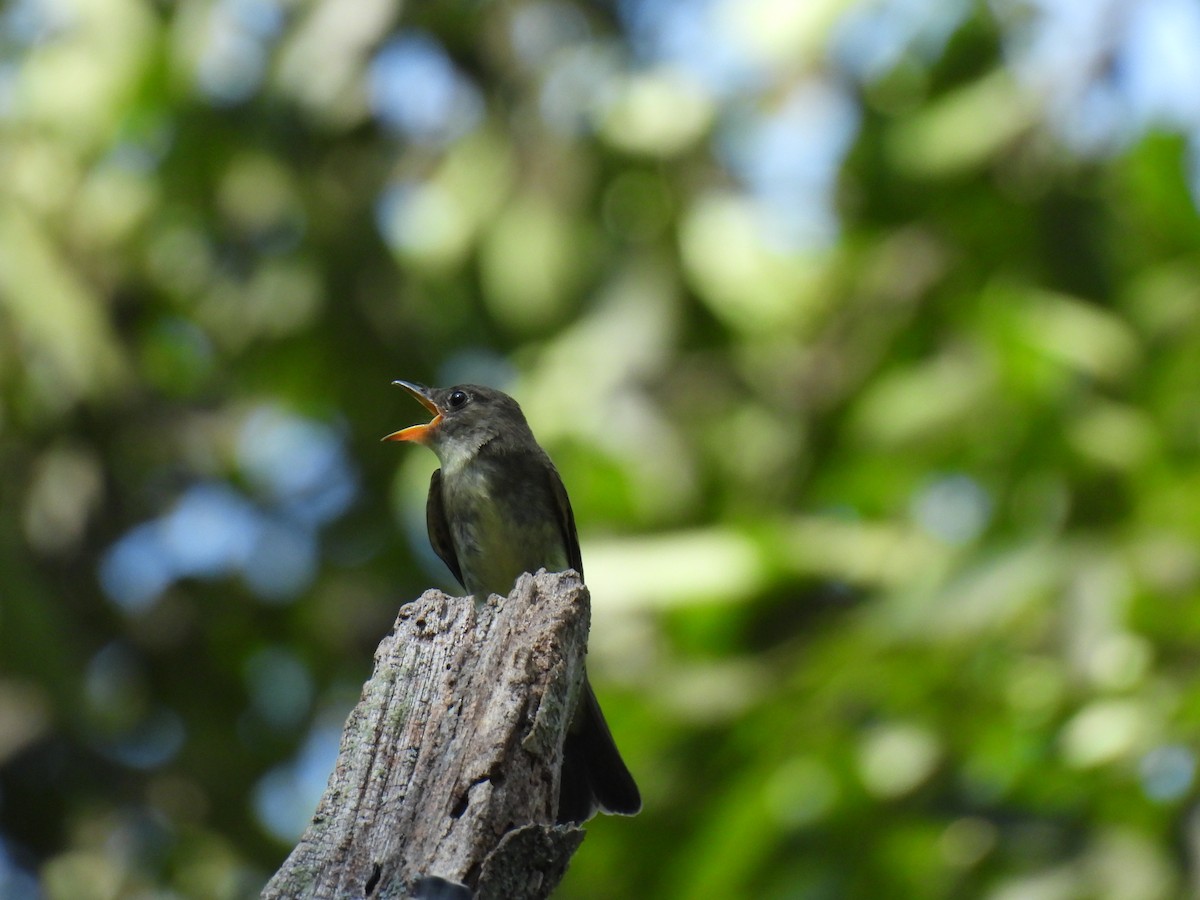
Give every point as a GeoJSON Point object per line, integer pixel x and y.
{"type": "Point", "coordinates": [418, 434]}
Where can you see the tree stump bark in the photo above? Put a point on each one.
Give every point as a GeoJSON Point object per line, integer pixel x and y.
{"type": "Point", "coordinates": [449, 765]}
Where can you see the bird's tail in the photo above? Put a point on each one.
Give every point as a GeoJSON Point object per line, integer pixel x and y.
{"type": "Point", "coordinates": [594, 777]}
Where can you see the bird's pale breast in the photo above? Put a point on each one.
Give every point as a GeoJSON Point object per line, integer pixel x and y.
{"type": "Point", "coordinates": [501, 527]}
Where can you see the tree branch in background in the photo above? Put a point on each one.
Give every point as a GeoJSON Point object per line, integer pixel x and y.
{"type": "Point", "coordinates": [449, 764]}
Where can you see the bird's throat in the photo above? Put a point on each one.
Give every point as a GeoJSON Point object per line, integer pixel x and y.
{"type": "Point", "coordinates": [457, 455]}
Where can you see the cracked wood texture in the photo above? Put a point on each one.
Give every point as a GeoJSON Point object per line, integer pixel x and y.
{"type": "Point", "coordinates": [449, 764]}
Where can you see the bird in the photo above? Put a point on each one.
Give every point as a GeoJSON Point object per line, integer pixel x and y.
{"type": "Point", "coordinates": [497, 508]}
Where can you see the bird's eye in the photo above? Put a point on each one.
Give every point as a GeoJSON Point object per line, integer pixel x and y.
{"type": "Point", "coordinates": [457, 399]}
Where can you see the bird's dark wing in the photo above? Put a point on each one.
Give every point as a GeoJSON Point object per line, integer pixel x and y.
{"type": "Point", "coordinates": [593, 774]}
{"type": "Point", "coordinates": [439, 528]}
{"type": "Point", "coordinates": [566, 519]}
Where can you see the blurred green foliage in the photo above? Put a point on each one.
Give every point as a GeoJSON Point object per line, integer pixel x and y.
{"type": "Point", "coordinates": [875, 394]}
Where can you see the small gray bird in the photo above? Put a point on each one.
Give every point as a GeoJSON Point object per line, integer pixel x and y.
{"type": "Point", "coordinates": [497, 508]}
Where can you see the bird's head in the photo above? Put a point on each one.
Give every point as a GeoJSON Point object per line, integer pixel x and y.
{"type": "Point", "coordinates": [465, 417]}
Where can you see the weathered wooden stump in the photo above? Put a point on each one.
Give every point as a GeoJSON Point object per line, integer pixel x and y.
{"type": "Point", "coordinates": [449, 764]}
